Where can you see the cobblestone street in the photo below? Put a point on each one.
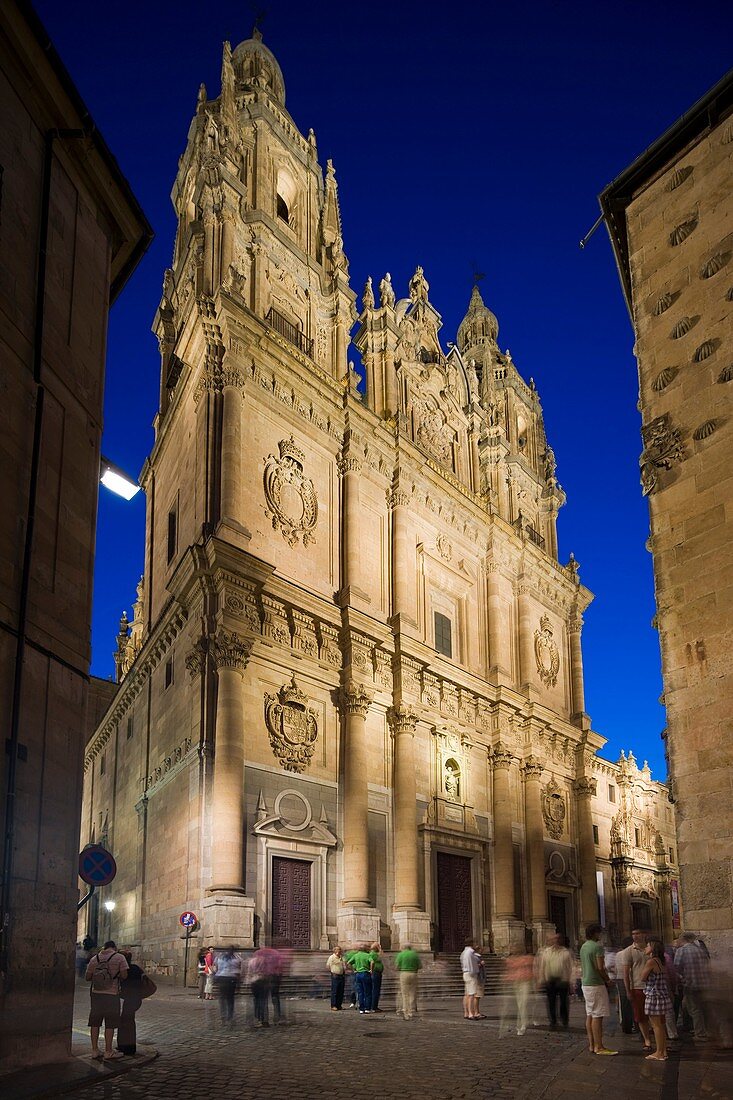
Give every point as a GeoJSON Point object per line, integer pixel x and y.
{"type": "Point", "coordinates": [438, 1056]}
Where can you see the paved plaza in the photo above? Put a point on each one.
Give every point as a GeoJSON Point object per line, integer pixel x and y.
{"type": "Point", "coordinates": [317, 1053]}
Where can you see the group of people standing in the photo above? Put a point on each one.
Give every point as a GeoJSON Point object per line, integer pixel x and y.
{"type": "Point", "coordinates": [220, 973]}
{"type": "Point", "coordinates": [366, 965]}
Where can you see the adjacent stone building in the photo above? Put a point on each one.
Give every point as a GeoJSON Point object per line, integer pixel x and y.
{"type": "Point", "coordinates": [670, 218]}
{"type": "Point", "coordinates": [71, 232]}
{"type": "Point", "coordinates": [351, 694]}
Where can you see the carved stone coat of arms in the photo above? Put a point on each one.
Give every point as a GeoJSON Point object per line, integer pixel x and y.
{"type": "Point", "coordinates": [292, 726]}
{"type": "Point", "coordinates": [546, 653]}
{"type": "Point", "coordinates": [291, 499]}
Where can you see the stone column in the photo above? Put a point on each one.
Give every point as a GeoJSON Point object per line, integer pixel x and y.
{"type": "Point", "coordinates": [526, 640]}
{"type": "Point", "coordinates": [356, 920]}
{"type": "Point", "coordinates": [350, 470]}
{"type": "Point", "coordinates": [506, 928]}
{"type": "Point", "coordinates": [499, 652]}
{"type": "Point", "coordinates": [577, 692]}
{"type": "Point", "coordinates": [412, 923]}
{"type": "Point", "coordinates": [585, 789]}
{"type": "Point", "coordinates": [402, 567]}
{"type": "Point", "coordinates": [229, 915]}
{"type": "Point", "coordinates": [535, 849]}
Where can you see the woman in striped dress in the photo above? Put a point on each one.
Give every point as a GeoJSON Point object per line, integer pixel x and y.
{"type": "Point", "coordinates": [657, 999]}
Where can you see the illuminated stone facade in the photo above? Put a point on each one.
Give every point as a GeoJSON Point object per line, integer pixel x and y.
{"type": "Point", "coordinates": [352, 703]}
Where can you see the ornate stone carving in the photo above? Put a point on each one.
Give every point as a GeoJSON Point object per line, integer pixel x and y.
{"type": "Point", "coordinates": [291, 498]}
{"type": "Point", "coordinates": [662, 304]}
{"type": "Point", "coordinates": [292, 725]}
{"type": "Point", "coordinates": [275, 625]}
{"type": "Point", "coordinates": [419, 286]}
{"type": "Point", "coordinates": [229, 650]}
{"type": "Point", "coordinates": [444, 547]}
{"type": "Point", "coordinates": [330, 652]}
{"type": "Point", "coordinates": [402, 719]}
{"type": "Point", "coordinates": [682, 327]}
{"type": "Point", "coordinates": [382, 668]}
{"type": "Point", "coordinates": [434, 434]}
{"type": "Point", "coordinates": [386, 292]}
{"type": "Point", "coordinates": [554, 810]}
{"type": "Point", "coordinates": [682, 231]}
{"type": "Point", "coordinates": [452, 780]}
{"type": "Point", "coordinates": [532, 768]}
{"type": "Point", "coordinates": [355, 699]}
{"type": "Point", "coordinates": [304, 634]}
{"type": "Point", "coordinates": [501, 757]}
{"type": "Point", "coordinates": [368, 294]}
{"type": "Point", "coordinates": [586, 786]}
{"type": "Point", "coordinates": [713, 265]}
{"type": "Point", "coordinates": [704, 351]}
{"type": "Point", "coordinates": [678, 177]}
{"type": "Point", "coordinates": [196, 659]}
{"type": "Point", "coordinates": [663, 379]}
{"type": "Point", "coordinates": [546, 653]}
{"type": "Point", "coordinates": [726, 375]}
{"type": "Point", "coordinates": [705, 430]}
{"type": "Point", "coordinates": [662, 449]}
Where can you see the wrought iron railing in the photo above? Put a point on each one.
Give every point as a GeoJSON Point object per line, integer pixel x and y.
{"type": "Point", "coordinates": [535, 537]}
{"type": "Point", "coordinates": [289, 332]}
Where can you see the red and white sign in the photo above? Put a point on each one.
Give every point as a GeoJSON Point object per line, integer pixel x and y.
{"type": "Point", "coordinates": [188, 919]}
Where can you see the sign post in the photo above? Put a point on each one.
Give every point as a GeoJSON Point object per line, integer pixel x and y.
{"type": "Point", "coordinates": [97, 867]}
{"type": "Point", "coordinates": [189, 921]}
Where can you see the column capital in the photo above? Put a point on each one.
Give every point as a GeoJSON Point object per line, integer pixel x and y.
{"type": "Point", "coordinates": [348, 465]}
{"type": "Point", "coordinates": [402, 720]}
{"type": "Point", "coordinates": [229, 650]}
{"type": "Point", "coordinates": [397, 498]}
{"type": "Point", "coordinates": [531, 768]}
{"type": "Point", "coordinates": [355, 699]}
{"type": "Point", "coordinates": [196, 659]}
{"type": "Point", "coordinates": [585, 787]}
{"type": "Point", "coordinates": [232, 375]}
{"type": "Point", "coordinates": [575, 624]}
{"type": "Point", "coordinates": [501, 758]}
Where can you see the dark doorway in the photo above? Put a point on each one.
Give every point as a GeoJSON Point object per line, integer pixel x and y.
{"type": "Point", "coordinates": [291, 902]}
{"type": "Point", "coordinates": [641, 917]}
{"type": "Point", "coordinates": [559, 913]}
{"type": "Point", "coordinates": [455, 917]}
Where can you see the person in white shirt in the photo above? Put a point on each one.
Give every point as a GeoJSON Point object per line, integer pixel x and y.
{"type": "Point", "coordinates": [555, 969]}
{"type": "Point", "coordinates": [471, 967]}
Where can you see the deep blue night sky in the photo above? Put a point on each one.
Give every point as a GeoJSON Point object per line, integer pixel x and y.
{"type": "Point", "coordinates": [462, 135]}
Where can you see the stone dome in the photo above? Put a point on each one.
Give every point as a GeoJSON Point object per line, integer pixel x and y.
{"type": "Point", "coordinates": [479, 326]}
{"type": "Point", "coordinates": [256, 67]}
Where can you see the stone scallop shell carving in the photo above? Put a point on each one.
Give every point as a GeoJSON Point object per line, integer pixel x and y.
{"type": "Point", "coordinates": [705, 430]}
{"type": "Point", "coordinates": [679, 176]}
{"type": "Point", "coordinates": [713, 265]}
{"type": "Point", "coordinates": [683, 326]}
{"type": "Point", "coordinates": [726, 375]}
{"type": "Point", "coordinates": [663, 379]}
{"type": "Point", "coordinates": [662, 305]}
{"type": "Point", "coordinates": [704, 352]}
{"type": "Point", "coordinates": [682, 231]}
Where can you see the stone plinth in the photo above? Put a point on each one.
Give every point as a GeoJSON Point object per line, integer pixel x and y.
{"type": "Point", "coordinates": [229, 919]}
{"type": "Point", "coordinates": [508, 934]}
{"type": "Point", "coordinates": [541, 932]}
{"type": "Point", "coordinates": [357, 924]}
{"type": "Point", "coordinates": [412, 927]}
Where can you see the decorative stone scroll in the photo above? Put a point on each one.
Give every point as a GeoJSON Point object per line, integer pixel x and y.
{"type": "Point", "coordinates": [546, 653]}
{"type": "Point", "coordinates": [292, 725]}
{"type": "Point", "coordinates": [554, 810]}
{"type": "Point", "coordinates": [291, 499]}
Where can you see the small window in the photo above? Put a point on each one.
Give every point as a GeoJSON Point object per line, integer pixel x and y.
{"type": "Point", "coordinates": [596, 839]}
{"type": "Point", "coordinates": [169, 672]}
{"type": "Point", "coordinates": [130, 728]}
{"type": "Point", "coordinates": [443, 642]}
{"type": "Point", "coordinates": [671, 855]}
{"type": "Point", "coordinates": [282, 210]}
{"type": "Point", "coordinates": [103, 763]}
{"type": "Point", "coordinates": [172, 533]}
{"type": "Point", "coordinates": [637, 837]}
{"type": "Point", "coordinates": [611, 793]}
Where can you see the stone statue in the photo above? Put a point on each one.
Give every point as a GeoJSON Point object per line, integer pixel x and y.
{"type": "Point", "coordinates": [550, 464]}
{"type": "Point", "coordinates": [368, 295]}
{"type": "Point", "coordinates": [451, 781]}
{"type": "Point", "coordinates": [386, 292]}
{"type": "Point", "coordinates": [419, 286]}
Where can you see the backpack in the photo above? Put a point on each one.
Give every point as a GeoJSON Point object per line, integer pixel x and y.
{"type": "Point", "coordinates": [102, 979]}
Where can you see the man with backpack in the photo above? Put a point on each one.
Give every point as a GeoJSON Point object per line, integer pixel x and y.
{"type": "Point", "coordinates": [105, 971]}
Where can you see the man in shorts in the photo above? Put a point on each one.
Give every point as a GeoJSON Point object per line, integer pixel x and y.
{"type": "Point", "coordinates": [629, 965]}
{"type": "Point", "coordinates": [105, 971]}
{"type": "Point", "coordinates": [594, 981]}
{"type": "Point", "coordinates": [471, 966]}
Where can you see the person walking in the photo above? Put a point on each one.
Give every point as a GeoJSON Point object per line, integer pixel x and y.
{"type": "Point", "coordinates": [408, 964]}
{"type": "Point", "coordinates": [470, 967]}
{"type": "Point", "coordinates": [632, 961]}
{"type": "Point", "coordinates": [105, 970]}
{"type": "Point", "coordinates": [361, 964]}
{"type": "Point", "coordinates": [209, 972]}
{"type": "Point", "coordinates": [594, 982]}
{"type": "Point", "coordinates": [625, 1008]}
{"type": "Point", "coordinates": [227, 974]}
{"type": "Point", "coordinates": [133, 989]}
{"type": "Point", "coordinates": [201, 974]}
{"type": "Point", "coordinates": [336, 966]}
{"type": "Point", "coordinates": [518, 978]}
{"type": "Point", "coordinates": [260, 974]}
{"type": "Point", "coordinates": [377, 970]}
{"type": "Point", "coordinates": [693, 971]}
{"type": "Point", "coordinates": [555, 970]}
{"type": "Point", "coordinates": [657, 999]}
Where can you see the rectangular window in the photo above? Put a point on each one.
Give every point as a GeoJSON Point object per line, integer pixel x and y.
{"type": "Point", "coordinates": [671, 855]}
{"type": "Point", "coordinates": [595, 835]}
{"type": "Point", "coordinates": [130, 728]}
{"type": "Point", "coordinates": [103, 763]}
{"type": "Point", "coordinates": [611, 793]}
{"type": "Point", "coordinates": [637, 838]}
{"type": "Point", "coordinates": [443, 642]}
{"type": "Point", "coordinates": [172, 532]}
{"type": "Point", "coordinates": [169, 672]}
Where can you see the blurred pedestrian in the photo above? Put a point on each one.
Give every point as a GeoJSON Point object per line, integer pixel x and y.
{"type": "Point", "coordinates": [595, 993]}
{"type": "Point", "coordinates": [518, 979]}
{"type": "Point", "coordinates": [227, 975]}
{"type": "Point", "coordinates": [105, 970]}
{"type": "Point", "coordinates": [554, 973]}
{"type": "Point", "coordinates": [625, 1008]}
{"type": "Point", "coordinates": [336, 966]}
{"type": "Point", "coordinates": [470, 968]}
{"type": "Point", "coordinates": [209, 971]}
{"type": "Point", "coordinates": [134, 989]}
{"type": "Point", "coordinates": [376, 971]}
{"type": "Point", "coordinates": [657, 999]}
{"type": "Point", "coordinates": [361, 963]}
{"type": "Point", "coordinates": [201, 973]}
{"type": "Point", "coordinates": [693, 973]}
{"type": "Point", "coordinates": [632, 961]}
{"type": "Point", "coordinates": [407, 962]}
{"type": "Point", "coordinates": [263, 974]}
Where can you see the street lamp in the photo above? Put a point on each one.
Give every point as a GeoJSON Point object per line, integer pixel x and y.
{"type": "Point", "coordinates": [110, 905]}
{"type": "Point", "coordinates": [116, 480]}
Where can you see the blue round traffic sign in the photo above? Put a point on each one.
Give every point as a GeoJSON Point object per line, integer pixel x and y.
{"type": "Point", "coordinates": [188, 919]}
{"type": "Point", "coordinates": [97, 866]}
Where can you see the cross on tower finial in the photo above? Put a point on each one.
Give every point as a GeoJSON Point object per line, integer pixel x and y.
{"type": "Point", "coordinates": [259, 20]}
{"type": "Point", "coordinates": [477, 275]}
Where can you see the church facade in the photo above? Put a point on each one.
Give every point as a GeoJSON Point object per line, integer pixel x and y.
{"type": "Point", "coordinates": [350, 701]}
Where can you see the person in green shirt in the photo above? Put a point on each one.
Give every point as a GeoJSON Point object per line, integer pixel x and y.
{"type": "Point", "coordinates": [377, 970]}
{"type": "Point", "coordinates": [361, 964]}
{"type": "Point", "coordinates": [350, 982]}
{"type": "Point", "coordinates": [408, 963]}
{"type": "Point", "coordinates": [594, 981]}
